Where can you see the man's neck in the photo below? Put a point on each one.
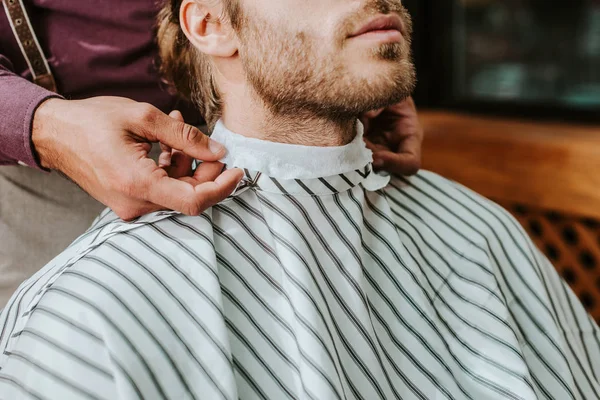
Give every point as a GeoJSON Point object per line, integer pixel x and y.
{"type": "Point", "coordinates": [251, 119]}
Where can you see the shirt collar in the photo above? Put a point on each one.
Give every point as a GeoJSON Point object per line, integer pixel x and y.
{"type": "Point", "coordinates": [296, 169]}
{"type": "Point", "coordinates": [290, 161]}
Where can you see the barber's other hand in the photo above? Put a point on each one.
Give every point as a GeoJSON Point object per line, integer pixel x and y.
{"type": "Point", "coordinates": [102, 144]}
{"type": "Point", "coordinates": [395, 136]}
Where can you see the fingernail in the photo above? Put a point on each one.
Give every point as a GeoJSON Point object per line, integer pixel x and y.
{"type": "Point", "coordinates": [378, 163]}
{"type": "Point", "coordinates": [215, 147]}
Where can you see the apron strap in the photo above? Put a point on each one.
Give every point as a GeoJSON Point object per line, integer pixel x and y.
{"type": "Point", "coordinates": [30, 47]}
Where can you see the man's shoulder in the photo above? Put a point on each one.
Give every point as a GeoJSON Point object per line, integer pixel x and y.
{"type": "Point", "coordinates": [130, 256]}
{"type": "Point", "coordinates": [428, 200]}
{"type": "Point", "coordinates": [426, 190]}
{"type": "Point", "coordinates": [113, 263]}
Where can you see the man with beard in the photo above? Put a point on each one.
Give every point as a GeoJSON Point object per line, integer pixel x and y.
{"type": "Point", "coordinates": [109, 104]}
{"type": "Point", "coordinates": [318, 278]}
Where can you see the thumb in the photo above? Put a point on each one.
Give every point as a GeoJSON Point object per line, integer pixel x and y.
{"type": "Point", "coordinates": [173, 132]}
{"type": "Point", "coordinates": [176, 115]}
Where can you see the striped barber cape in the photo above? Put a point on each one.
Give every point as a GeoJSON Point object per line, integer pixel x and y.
{"type": "Point", "coordinates": [344, 285]}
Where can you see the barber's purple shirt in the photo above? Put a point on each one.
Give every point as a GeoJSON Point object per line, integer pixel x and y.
{"type": "Point", "coordinates": [95, 48]}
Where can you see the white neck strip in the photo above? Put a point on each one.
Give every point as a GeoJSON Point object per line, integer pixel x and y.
{"type": "Point", "coordinates": [290, 161]}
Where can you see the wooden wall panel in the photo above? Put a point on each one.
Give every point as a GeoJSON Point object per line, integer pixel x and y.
{"type": "Point", "coordinates": [553, 166]}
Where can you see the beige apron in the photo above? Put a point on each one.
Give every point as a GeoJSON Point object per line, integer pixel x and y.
{"type": "Point", "coordinates": [40, 215]}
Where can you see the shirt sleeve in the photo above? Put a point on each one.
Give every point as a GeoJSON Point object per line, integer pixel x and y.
{"type": "Point", "coordinates": [19, 99]}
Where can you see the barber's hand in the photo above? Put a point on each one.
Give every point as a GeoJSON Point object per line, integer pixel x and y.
{"type": "Point", "coordinates": [102, 144]}
{"type": "Point", "coordinates": [395, 136]}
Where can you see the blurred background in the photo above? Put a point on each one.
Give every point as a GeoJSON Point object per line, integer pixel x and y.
{"type": "Point", "coordinates": [509, 95]}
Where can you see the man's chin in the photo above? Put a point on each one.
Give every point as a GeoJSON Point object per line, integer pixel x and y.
{"type": "Point", "coordinates": [387, 92]}
{"type": "Point", "coordinates": [394, 52]}
{"type": "Point", "coordinates": [367, 101]}
{"type": "Point", "coordinates": [391, 82]}
{"type": "Point", "coordinates": [383, 63]}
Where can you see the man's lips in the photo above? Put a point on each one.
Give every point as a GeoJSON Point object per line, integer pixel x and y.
{"type": "Point", "coordinates": [382, 23]}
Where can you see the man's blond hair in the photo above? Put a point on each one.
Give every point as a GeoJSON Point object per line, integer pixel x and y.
{"type": "Point", "coordinates": [186, 69]}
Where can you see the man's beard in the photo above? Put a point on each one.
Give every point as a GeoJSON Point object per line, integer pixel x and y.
{"type": "Point", "coordinates": [292, 78]}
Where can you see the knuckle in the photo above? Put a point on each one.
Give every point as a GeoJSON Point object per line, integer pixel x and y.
{"type": "Point", "coordinates": [189, 209]}
{"type": "Point", "coordinates": [190, 134]}
{"type": "Point", "coordinates": [194, 208]}
{"type": "Point", "coordinates": [197, 208]}
{"type": "Point", "coordinates": [146, 112]}
{"type": "Point", "coordinates": [119, 211]}
{"type": "Point", "coordinates": [413, 166]}
{"type": "Point", "coordinates": [125, 213]}
{"type": "Point", "coordinates": [146, 180]}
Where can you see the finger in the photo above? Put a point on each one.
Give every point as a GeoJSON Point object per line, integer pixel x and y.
{"type": "Point", "coordinates": [165, 148]}
{"type": "Point", "coordinates": [176, 115]}
{"type": "Point", "coordinates": [410, 103]}
{"type": "Point", "coordinates": [412, 144]}
{"type": "Point", "coordinates": [144, 146]}
{"type": "Point", "coordinates": [406, 107]}
{"type": "Point", "coordinates": [405, 161]}
{"type": "Point", "coordinates": [164, 159]}
{"type": "Point", "coordinates": [223, 186]}
{"type": "Point", "coordinates": [181, 165]}
{"type": "Point", "coordinates": [208, 171]}
{"type": "Point", "coordinates": [166, 155]}
{"type": "Point", "coordinates": [159, 127]}
{"type": "Point", "coordinates": [367, 118]}
{"type": "Point", "coordinates": [366, 125]}
{"type": "Point", "coordinates": [374, 147]}
{"type": "Point", "coordinates": [404, 164]}
{"type": "Point", "coordinates": [182, 196]}
{"type": "Point", "coordinates": [373, 113]}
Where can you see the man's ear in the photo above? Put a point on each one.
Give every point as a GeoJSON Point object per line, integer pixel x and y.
{"type": "Point", "coordinates": [203, 24]}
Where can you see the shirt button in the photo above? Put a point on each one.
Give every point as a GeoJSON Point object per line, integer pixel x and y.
{"type": "Point", "coordinates": [22, 164]}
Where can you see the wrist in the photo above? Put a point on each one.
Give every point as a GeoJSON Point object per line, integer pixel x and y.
{"type": "Point", "coordinates": [44, 133]}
